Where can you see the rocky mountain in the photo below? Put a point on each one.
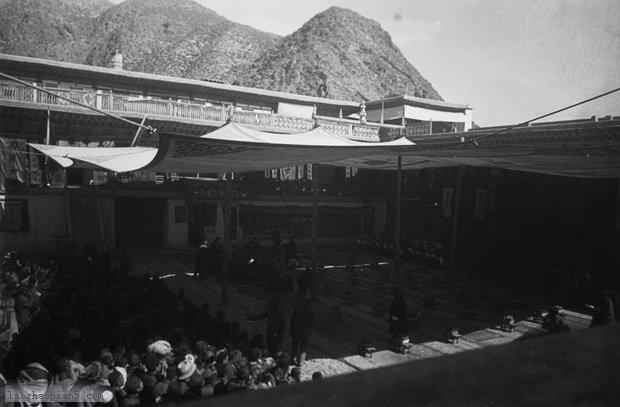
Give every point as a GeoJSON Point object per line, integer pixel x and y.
{"type": "Point", "coordinates": [336, 54]}
{"type": "Point", "coordinates": [179, 38]}
{"type": "Point", "coordinates": [52, 29]}
{"type": "Point", "coordinates": [341, 55]}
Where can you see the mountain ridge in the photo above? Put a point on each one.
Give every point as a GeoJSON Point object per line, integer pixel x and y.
{"type": "Point", "coordinates": [336, 54]}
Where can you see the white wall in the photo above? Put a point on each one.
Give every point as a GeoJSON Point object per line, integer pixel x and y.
{"type": "Point", "coordinates": [288, 109]}
{"type": "Point", "coordinates": [419, 113]}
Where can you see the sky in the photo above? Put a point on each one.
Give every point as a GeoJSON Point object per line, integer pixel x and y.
{"type": "Point", "coordinates": [510, 61]}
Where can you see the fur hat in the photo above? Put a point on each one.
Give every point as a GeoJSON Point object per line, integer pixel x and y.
{"type": "Point", "coordinates": [94, 371]}
{"type": "Point", "coordinates": [186, 368]}
{"type": "Point", "coordinates": [33, 372]}
{"type": "Point", "coordinates": [134, 385]}
{"type": "Point", "coordinates": [296, 374]}
{"type": "Point", "coordinates": [106, 357]}
{"type": "Point", "coordinates": [118, 377]}
{"type": "Point", "coordinates": [151, 361]}
{"type": "Point", "coordinates": [160, 347]}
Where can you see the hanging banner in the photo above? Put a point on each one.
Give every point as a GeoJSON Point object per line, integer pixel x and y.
{"type": "Point", "coordinates": [350, 172]}
{"type": "Point", "coordinates": [287, 174]}
{"type": "Point", "coordinates": [34, 170]}
{"type": "Point", "coordinates": [223, 176]}
{"type": "Point", "coordinates": [300, 171]}
{"type": "Point", "coordinates": [446, 203]}
{"type": "Point", "coordinates": [274, 174]}
{"type": "Point", "coordinates": [100, 177]}
{"type": "Point", "coordinates": [309, 171]}
{"type": "Point", "coordinates": [13, 159]}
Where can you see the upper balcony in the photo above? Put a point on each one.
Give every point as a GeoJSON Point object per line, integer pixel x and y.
{"type": "Point", "coordinates": [158, 108]}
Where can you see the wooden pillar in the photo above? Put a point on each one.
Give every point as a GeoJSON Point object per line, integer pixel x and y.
{"type": "Point", "coordinates": [315, 217]}
{"type": "Point", "coordinates": [102, 245]}
{"type": "Point", "coordinates": [226, 240]}
{"type": "Point", "coordinates": [452, 270]}
{"type": "Point", "coordinates": [68, 214]}
{"type": "Point", "coordinates": [397, 217]}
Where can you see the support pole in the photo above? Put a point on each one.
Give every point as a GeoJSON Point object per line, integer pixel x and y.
{"type": "Point", "coordinates": [48, 131]}
{"type": "Point", "coordinates": [68, 214]}
{"type": "Point", "coordinates": [452, 271]}
{"type": "Point", "coordinates": [135, 138]}
{"type": "Point", "coordinates": [315, 217]}
{"type": "Point", "coordinates": [226, 240]}
{"type": "Point", "coordinates": [397, 257]}
{"type": "Point", "coordinates": [48, 137]}
{"type": "Point", "coordinates": [102, 246]}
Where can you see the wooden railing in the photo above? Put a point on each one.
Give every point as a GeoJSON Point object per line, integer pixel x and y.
{"type": "Point", "coordinates": [183, 110]}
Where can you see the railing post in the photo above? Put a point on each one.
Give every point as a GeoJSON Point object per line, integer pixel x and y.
{"type": "Point", "coordinates": [35, 94]}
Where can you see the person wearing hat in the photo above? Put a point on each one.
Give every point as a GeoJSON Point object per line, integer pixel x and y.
{"type": "Point", "coordinates": [33, 378]}
{"type": "Point", "coordinates": [554, 322]}
{"type": "Point", "coordinates": [186, 368]}
{"type": "Point", "coordinates": [160, 347]}
{"type": "Point", "coordinates": [276, 325]}
{"type": "Point", "coordinates": [604, 313]}
{"type": "Point", "coordinates": [302, 322]}
{"type": "Point", "coordinates": [133, 388]}
{"type": "Point", "coordinates": [91, 382]}
{"type": "Point", "coordinates": [117, 379]}
{"type": "Point", "coordinates": [202, 261]}
{"type": "Point", "coordinates": [398, 324]}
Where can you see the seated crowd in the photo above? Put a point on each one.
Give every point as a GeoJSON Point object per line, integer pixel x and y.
{"type": "Point", "coordinates": [75, 323]}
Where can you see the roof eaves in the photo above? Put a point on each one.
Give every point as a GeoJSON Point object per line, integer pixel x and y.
{"type": "Point", "coordinates": [264, 93]}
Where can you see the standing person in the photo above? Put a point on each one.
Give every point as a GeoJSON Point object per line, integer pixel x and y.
{"type": "Point", "coordinates": [302, 322]}
{"type": "Point", "coordinates": [398, 315]}
{"type": "Point", "coordinates": [200, 268]}
{"type": "Point", "coordinates": [290, 254]}
{"type": "Point", "coordinates": [305, 282]}
{"type": "Point", "coordinates": [214, 256]}
{"type": "Point", "coordinates": [554, 322]}
{"type": "Point", "coordinates": [276, 326]}
{"type": "Point", "coordinates": [604, 313]}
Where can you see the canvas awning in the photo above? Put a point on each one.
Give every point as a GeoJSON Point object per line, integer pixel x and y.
{"type": "Point", "coordinates": [578, 151]}
{"type": "Point", "coordinates": [229, 148]}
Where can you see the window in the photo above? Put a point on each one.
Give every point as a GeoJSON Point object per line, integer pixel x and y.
{"type": "Point", "coordinates": [14, 215]}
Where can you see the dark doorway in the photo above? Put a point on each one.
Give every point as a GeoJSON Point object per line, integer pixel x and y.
{"type": "Point", "coordinates": [200, 215]}
{"type": "Point", "coordinates": [139, 221]}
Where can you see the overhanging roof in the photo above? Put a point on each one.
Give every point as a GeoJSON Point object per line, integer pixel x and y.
{"type": "Point", "coordinates": [136, 80]}
{"type": "Point", "coordinates": [583, 151]}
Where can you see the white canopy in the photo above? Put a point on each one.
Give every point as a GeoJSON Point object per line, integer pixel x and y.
{"type": "Point", "coordinates": [580, 150]}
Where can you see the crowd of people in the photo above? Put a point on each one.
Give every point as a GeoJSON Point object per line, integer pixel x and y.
{"type": "Point", "coordinates": [76, 323]}
{"type": "Point", "coordinates": [428, 253]}
{"type": "Point", "coordinates": [558, 282]}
